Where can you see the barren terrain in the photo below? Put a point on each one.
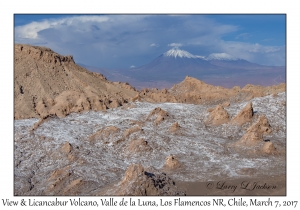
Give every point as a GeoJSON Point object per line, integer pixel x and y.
{"type": "Point", "coordinates": [104, 144]}
{"type": "Point", "coordinates": [77, 133]}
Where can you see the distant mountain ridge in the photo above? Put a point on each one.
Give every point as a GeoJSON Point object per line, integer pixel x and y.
{"type": "Point", "coordinates": [217, 69]}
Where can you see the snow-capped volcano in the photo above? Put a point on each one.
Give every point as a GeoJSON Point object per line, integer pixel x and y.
{"type": "Point", "coordinates": [216, 68]}
{"type": "Point", "coordinates": [176, 52]}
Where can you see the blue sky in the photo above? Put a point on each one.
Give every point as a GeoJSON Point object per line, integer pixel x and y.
{"type": "Point", "coordinates": [121, 41]}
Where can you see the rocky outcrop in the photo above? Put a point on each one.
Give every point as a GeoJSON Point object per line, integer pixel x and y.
{"type": "Point", "coordinates": [252, 91]}
{"type": "Point", "coordinates": [65, 182]}
{"type": "Point", "coordinates": [132, 130]}
{"type": "Point", "coordinates": [172, 162]}
{"type": "Point", "coordinates": [194, 91]}
{"type": "Point", "coordinates": [255, 133]}
{"type": "Point", "coordinates": [137, 146]}
{"type": "Point", "coordinates": [174, 127]}
{"type": "Point", "coordinates": [137, 98]}
{"type": "Point", "coordinates": [48, 83]}
{"type": "Point", "coordinates": [269, 148]}
{"type": "Point", "coordinates": [104, 134]}
{"type": "Point", "coordinates": [158, 114]}
{"type": "Point", "coordinates": [57, 179]}
{"type": "Point", "coordinates": [67, 148]}
{"type": "Point", "coordinates": [43, 54]}
{"type": "Point", "coordinates": [155, 95]}
{"type": "Point", "coordinates": [245, 115]}
{"type": "Point", "coordinates": [217, 116]}
{"type": "Point", "coordinates": [137, 181]}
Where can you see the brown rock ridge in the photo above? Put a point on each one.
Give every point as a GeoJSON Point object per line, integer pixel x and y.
{"type": "Point", "coordinates": [48, 83]}
{"type": "Point", "coordinates": [194, 91]}
{"type": "Point", "coordinates": [217, 116]}
{"type": "Point", "coordinates": [245, 115]}
{"type": "Point", "coordinates": [260, 91]}
{"type": "Point", "coordinates": [137, 181]}
{"type": "Point", "coordinates": [155, 95]}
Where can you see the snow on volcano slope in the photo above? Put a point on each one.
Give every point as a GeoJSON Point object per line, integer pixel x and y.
{"type": "Point", "coordinates": [202, 150]}
{"type": "Point", "coordinates": [176, 52]}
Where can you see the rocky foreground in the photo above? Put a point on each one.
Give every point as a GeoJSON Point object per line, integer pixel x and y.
{"type": "Point", "coordinates": [77, 133]}
{"type": "Point", "coordinates": [145, 148]}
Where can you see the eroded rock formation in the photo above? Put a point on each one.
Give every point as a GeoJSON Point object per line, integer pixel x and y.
{"type": "Point", "coordinates": [255, 132]}
{"type": "Point", "coordinates": [138, 181]}
{"type": "Point", "coordinates": [158, 114]}
{"type": "Point", "coordinates": [245, 115]}
{"type": "Point", "coordinates": [218, 116]}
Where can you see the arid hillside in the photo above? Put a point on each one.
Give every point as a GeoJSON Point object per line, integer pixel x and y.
{"type": "Point", "coordinates": [194, 91]}
{"type": "Point", "coordinates": [46, 83]}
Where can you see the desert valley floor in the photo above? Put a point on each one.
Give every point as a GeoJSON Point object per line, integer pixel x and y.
{"type": "Point", "coordinates": [88, 153]}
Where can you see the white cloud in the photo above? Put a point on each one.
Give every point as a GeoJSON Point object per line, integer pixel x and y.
{"type": "Point", "coordinates": [200, 56]}
{"type": "Point", "coordinates": [257, 48]}
{"type": "Point", "coordinates": [31, 30]}
{"type": "Point", "coordinates": [243, 36]}
{"type": "Point", "coordinates": [257, 53]}
{"type": "Point", "coordinates": [175, 45]}
{"type": "Point", "coordinates": [221, 56]}
{"type": "Point", "coordinates": [154, 45]}
{"type": "Point", "coordinates": [132, 66]}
